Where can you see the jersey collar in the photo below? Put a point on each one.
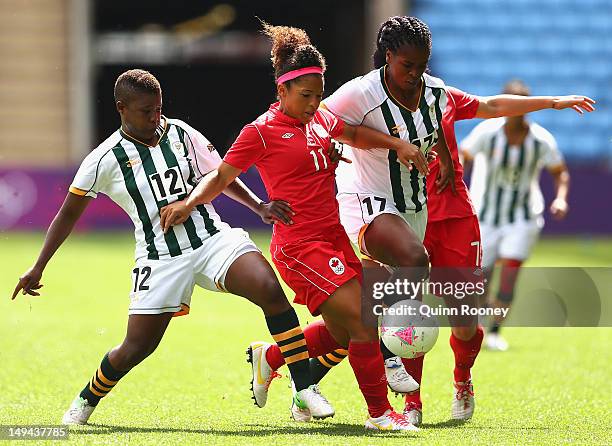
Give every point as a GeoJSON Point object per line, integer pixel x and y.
{"type": "Point", "coordinates": [162, 128]}
{"type": "Point", "coordinates": [383, 80]}
{"type": "Point", "coordinates": [280, 116]}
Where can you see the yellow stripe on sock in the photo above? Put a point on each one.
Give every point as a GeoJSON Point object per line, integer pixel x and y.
{"type": "Point", "coordinates": [324, 362]}
{"type": "Point", "coordinates": [94, 391]}
{"type": "Point", "coordinates": [104, 379]}
{"type": "Point", "coordinates": [296, 344]}
{"type": "Point", "coordinates": [100, 386]}
{"type": "Point", "coordinates": [287, 334]}
{"type": "Point", "coordinates": [296, 357]}
{"type": "Point", "coordinates": [341, 351]}
{"type": "Point", "coordinates": [333, 358]}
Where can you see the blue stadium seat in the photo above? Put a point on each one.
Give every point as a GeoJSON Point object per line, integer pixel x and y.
{"type": "Point", "coordinates": [556, 46]}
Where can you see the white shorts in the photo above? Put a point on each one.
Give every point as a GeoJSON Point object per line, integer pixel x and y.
{"type": "Point", "coordinates": [166, 285]}
{"type": "Point", "coordinates": [358, 210]}
{"type": "Point", "coordinates": [510, 241]}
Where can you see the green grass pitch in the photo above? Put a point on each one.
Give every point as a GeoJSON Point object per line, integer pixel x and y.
{"type": "Point", "coordinates": [551, 387]}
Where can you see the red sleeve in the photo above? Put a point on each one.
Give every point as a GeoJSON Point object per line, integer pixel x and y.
{"type": "Point", "coordinates": [466, 105]}
{"type": "Point", "coordinates": [335, 126]}
{"type": "Point", "coordinates": [248, 148]}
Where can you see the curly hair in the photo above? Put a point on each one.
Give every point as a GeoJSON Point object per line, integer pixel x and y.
{"type": "Point", "coordinates": [135, 81]}
{"type": "Point", "coordinates": [398, 31]}
{"type": "Point", "coordinates": [291, 49]}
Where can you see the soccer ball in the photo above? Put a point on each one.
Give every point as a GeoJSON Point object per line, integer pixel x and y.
{"type": "Point", "coordinates": [408, 333]}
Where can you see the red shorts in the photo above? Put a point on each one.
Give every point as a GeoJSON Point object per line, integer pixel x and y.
{"type": "Point", "coordinates": [454, 242]}
{"type": "Point", "coordinates": [315, 268]}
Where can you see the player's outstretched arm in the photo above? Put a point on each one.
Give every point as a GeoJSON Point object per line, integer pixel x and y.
{"type": "Point", "coordinates": [60, 228]}
{"type": "Point", "coordinates": [276, 210]}
{"type": "Point", "coordinates": [208, 189]}
{"type": "Point", "coordinates": [515, 105]}
{"type": "Point", "coordinates": [362, 137]}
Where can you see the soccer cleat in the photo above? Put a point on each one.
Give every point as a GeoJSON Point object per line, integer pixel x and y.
{"type": "Point", "coordinates": [390, 421]}
{"type": "Point", "coordinates": [311, 399]}
{"type": "Point", "coordinates": [79, 412]}
{"type": "Point", "coordinates": [262, 372]}
{"type": "Point", "coordinates": [414, 413]}
{"type": "Point", "coordinates": [463, 402]}
{"type": "Point", "coordinates": [398, 380]}
{"type": "Point", "coordinates": [299, 415]}
{"type": "Point", "coordinates": [495, 342]}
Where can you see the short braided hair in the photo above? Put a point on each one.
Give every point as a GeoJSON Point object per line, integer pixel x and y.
{"type": "Point", "coordinates": [398, 31]}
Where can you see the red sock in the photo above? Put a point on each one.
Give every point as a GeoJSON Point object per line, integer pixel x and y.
{"type": "Point", "coordinates": [465, 354]}
{"type": "Point", "coordinates": [414, 367]}
{"type": "Point", "coordinates": [367, 363]}
{"type": "Point", "coordinates": [318, 339]}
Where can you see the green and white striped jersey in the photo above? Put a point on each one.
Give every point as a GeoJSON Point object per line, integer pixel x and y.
{"type": "Point", "coordinates": [367, 101]}
{"type": "Point", "coordinates": [142, 179]}
{"type": "Point", "coordinates": [505, 178]}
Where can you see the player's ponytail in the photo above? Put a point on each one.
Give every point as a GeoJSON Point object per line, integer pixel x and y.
{"type": "Point", "coordinates": [398, 31]}
{"type": "Point", "coordinates": [291, 50]}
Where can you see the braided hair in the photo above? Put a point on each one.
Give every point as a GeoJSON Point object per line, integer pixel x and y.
{"type": "Point", "coordinates": [398, 31]}
{"type": "Point", "coordinates": [291, 50]}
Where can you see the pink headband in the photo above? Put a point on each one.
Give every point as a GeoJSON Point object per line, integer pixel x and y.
{"type": "Point", "coordinates": [297, 73]}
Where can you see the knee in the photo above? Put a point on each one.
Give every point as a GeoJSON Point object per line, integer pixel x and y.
{"type": "Point", "coordinates": [131, 353]}
{"type": "Point", "coordinates": [464, 333]}
{"type": "Point", "coordinates": [416, 256]}
{"type": "Point", "coordinates": [270, 296]}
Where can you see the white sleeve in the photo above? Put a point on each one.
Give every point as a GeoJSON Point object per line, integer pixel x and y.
{"type": "Point", "coordinates": [350, 102]}
{"type": "Point", "coordinates": [551, 156]}
{"type": "Point", "coordinates": [92, 176]}
{"type": "Point", "coordinates": [474, 143]}
{"type": "Point", "coordinates": [203, 155]}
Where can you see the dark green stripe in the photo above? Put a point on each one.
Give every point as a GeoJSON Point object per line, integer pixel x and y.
{"type": "Point", "coordinates": [437, 92]}
{"type": "Point", "coordinates": [147, 163]}
{"type": "Point", "coordinates": [414, 173]}
{"type": "Point", "coordinates": [515, 192]}
{"type": "Point", "coordinates": [132, 188]}
{"type": "Point", "coordinates": [209, 224]}
{"type": "Point", "coordinates": [295, 351]}
{"type": "Point", "coordinates": [424, 109]}
{"type": "Point", "coordinates": [414, 184]}
{"type": "Point", "coordinates": [394, 165]}
{"type": "Point", "coordinates": [171, 161]}
{"type": "Point", "coordinates": [532, 169]}
{"type": "Point", "coordinates": [500, 190]}
{"type": "Point", "coordinates": [485, 204]}
{"type": "Point", "coordinates": [291, 340]}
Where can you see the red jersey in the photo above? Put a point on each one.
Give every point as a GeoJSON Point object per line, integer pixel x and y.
{"type": "Point", "coordinates": [293, 163]}
{"type": "Point", "coordinates": [460, 105]}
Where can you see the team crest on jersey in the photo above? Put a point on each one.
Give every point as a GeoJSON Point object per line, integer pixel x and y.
{"type": "Point", "coordinates": [397, 129]}
{"type": "Point", "coordinates": [320, 130]}
{"type": "Point", "coordinates": [132, 163]}
{"type": "Point", "coordinates": [177, 146]}
{"type": "Point", "coordinates": [336, 265]}
{"type": "Point", "coordinates": [210, 148]}
{"type": "Point", "coordinates": [287, 135]}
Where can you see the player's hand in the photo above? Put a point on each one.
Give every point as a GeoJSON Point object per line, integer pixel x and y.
{"type": "Point", "coordinates": [409, 154]}
{"type": "Point", "coordinates": [580, 104]}
{"type": "Point", "coordinates": [446, 177]}
{"type": "Point", "coordinates": [275, 211]}
{"type": "Point", "coordinates": [173, 214]}
{"type": "Point", "coordinates": [29, 282]}
{"type": "Point", "coordinates": [559, 208]}
{"type": "Point", "coordinates": [335, 153]}
{"type": "Point", "coordinates": [431, 156]}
